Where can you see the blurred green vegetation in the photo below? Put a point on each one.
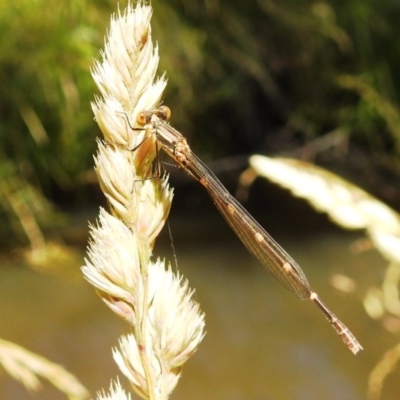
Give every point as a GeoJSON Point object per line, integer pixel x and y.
{"type": "Point", "coordinates": [240, 73]}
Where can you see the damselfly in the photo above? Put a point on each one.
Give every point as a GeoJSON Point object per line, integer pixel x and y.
{"type": "Point", "coordinates": [254, 237]}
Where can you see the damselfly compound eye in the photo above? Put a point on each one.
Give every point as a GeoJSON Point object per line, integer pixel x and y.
{"type": "Point", "coordinates": [164, 113]}
{"type": "Point", "coordinates": [141, 118]}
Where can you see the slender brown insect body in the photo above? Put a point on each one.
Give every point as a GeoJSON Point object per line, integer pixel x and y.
{"type": "Point", "coordinates": [254, 237]}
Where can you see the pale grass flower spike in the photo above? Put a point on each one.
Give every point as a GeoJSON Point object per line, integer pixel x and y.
{"type": "Point", "coordinates": [166, 324]}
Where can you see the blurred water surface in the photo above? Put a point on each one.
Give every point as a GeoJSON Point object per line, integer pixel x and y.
{"type": "Point", "coordinates": [261, 342]}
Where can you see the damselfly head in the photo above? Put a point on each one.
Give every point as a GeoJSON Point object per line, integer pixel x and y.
{"type": "Point", "coordinates": [162, 112]}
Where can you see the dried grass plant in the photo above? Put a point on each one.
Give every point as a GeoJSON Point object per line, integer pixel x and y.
{"type": "Point", "coordinates": [166, 324]}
